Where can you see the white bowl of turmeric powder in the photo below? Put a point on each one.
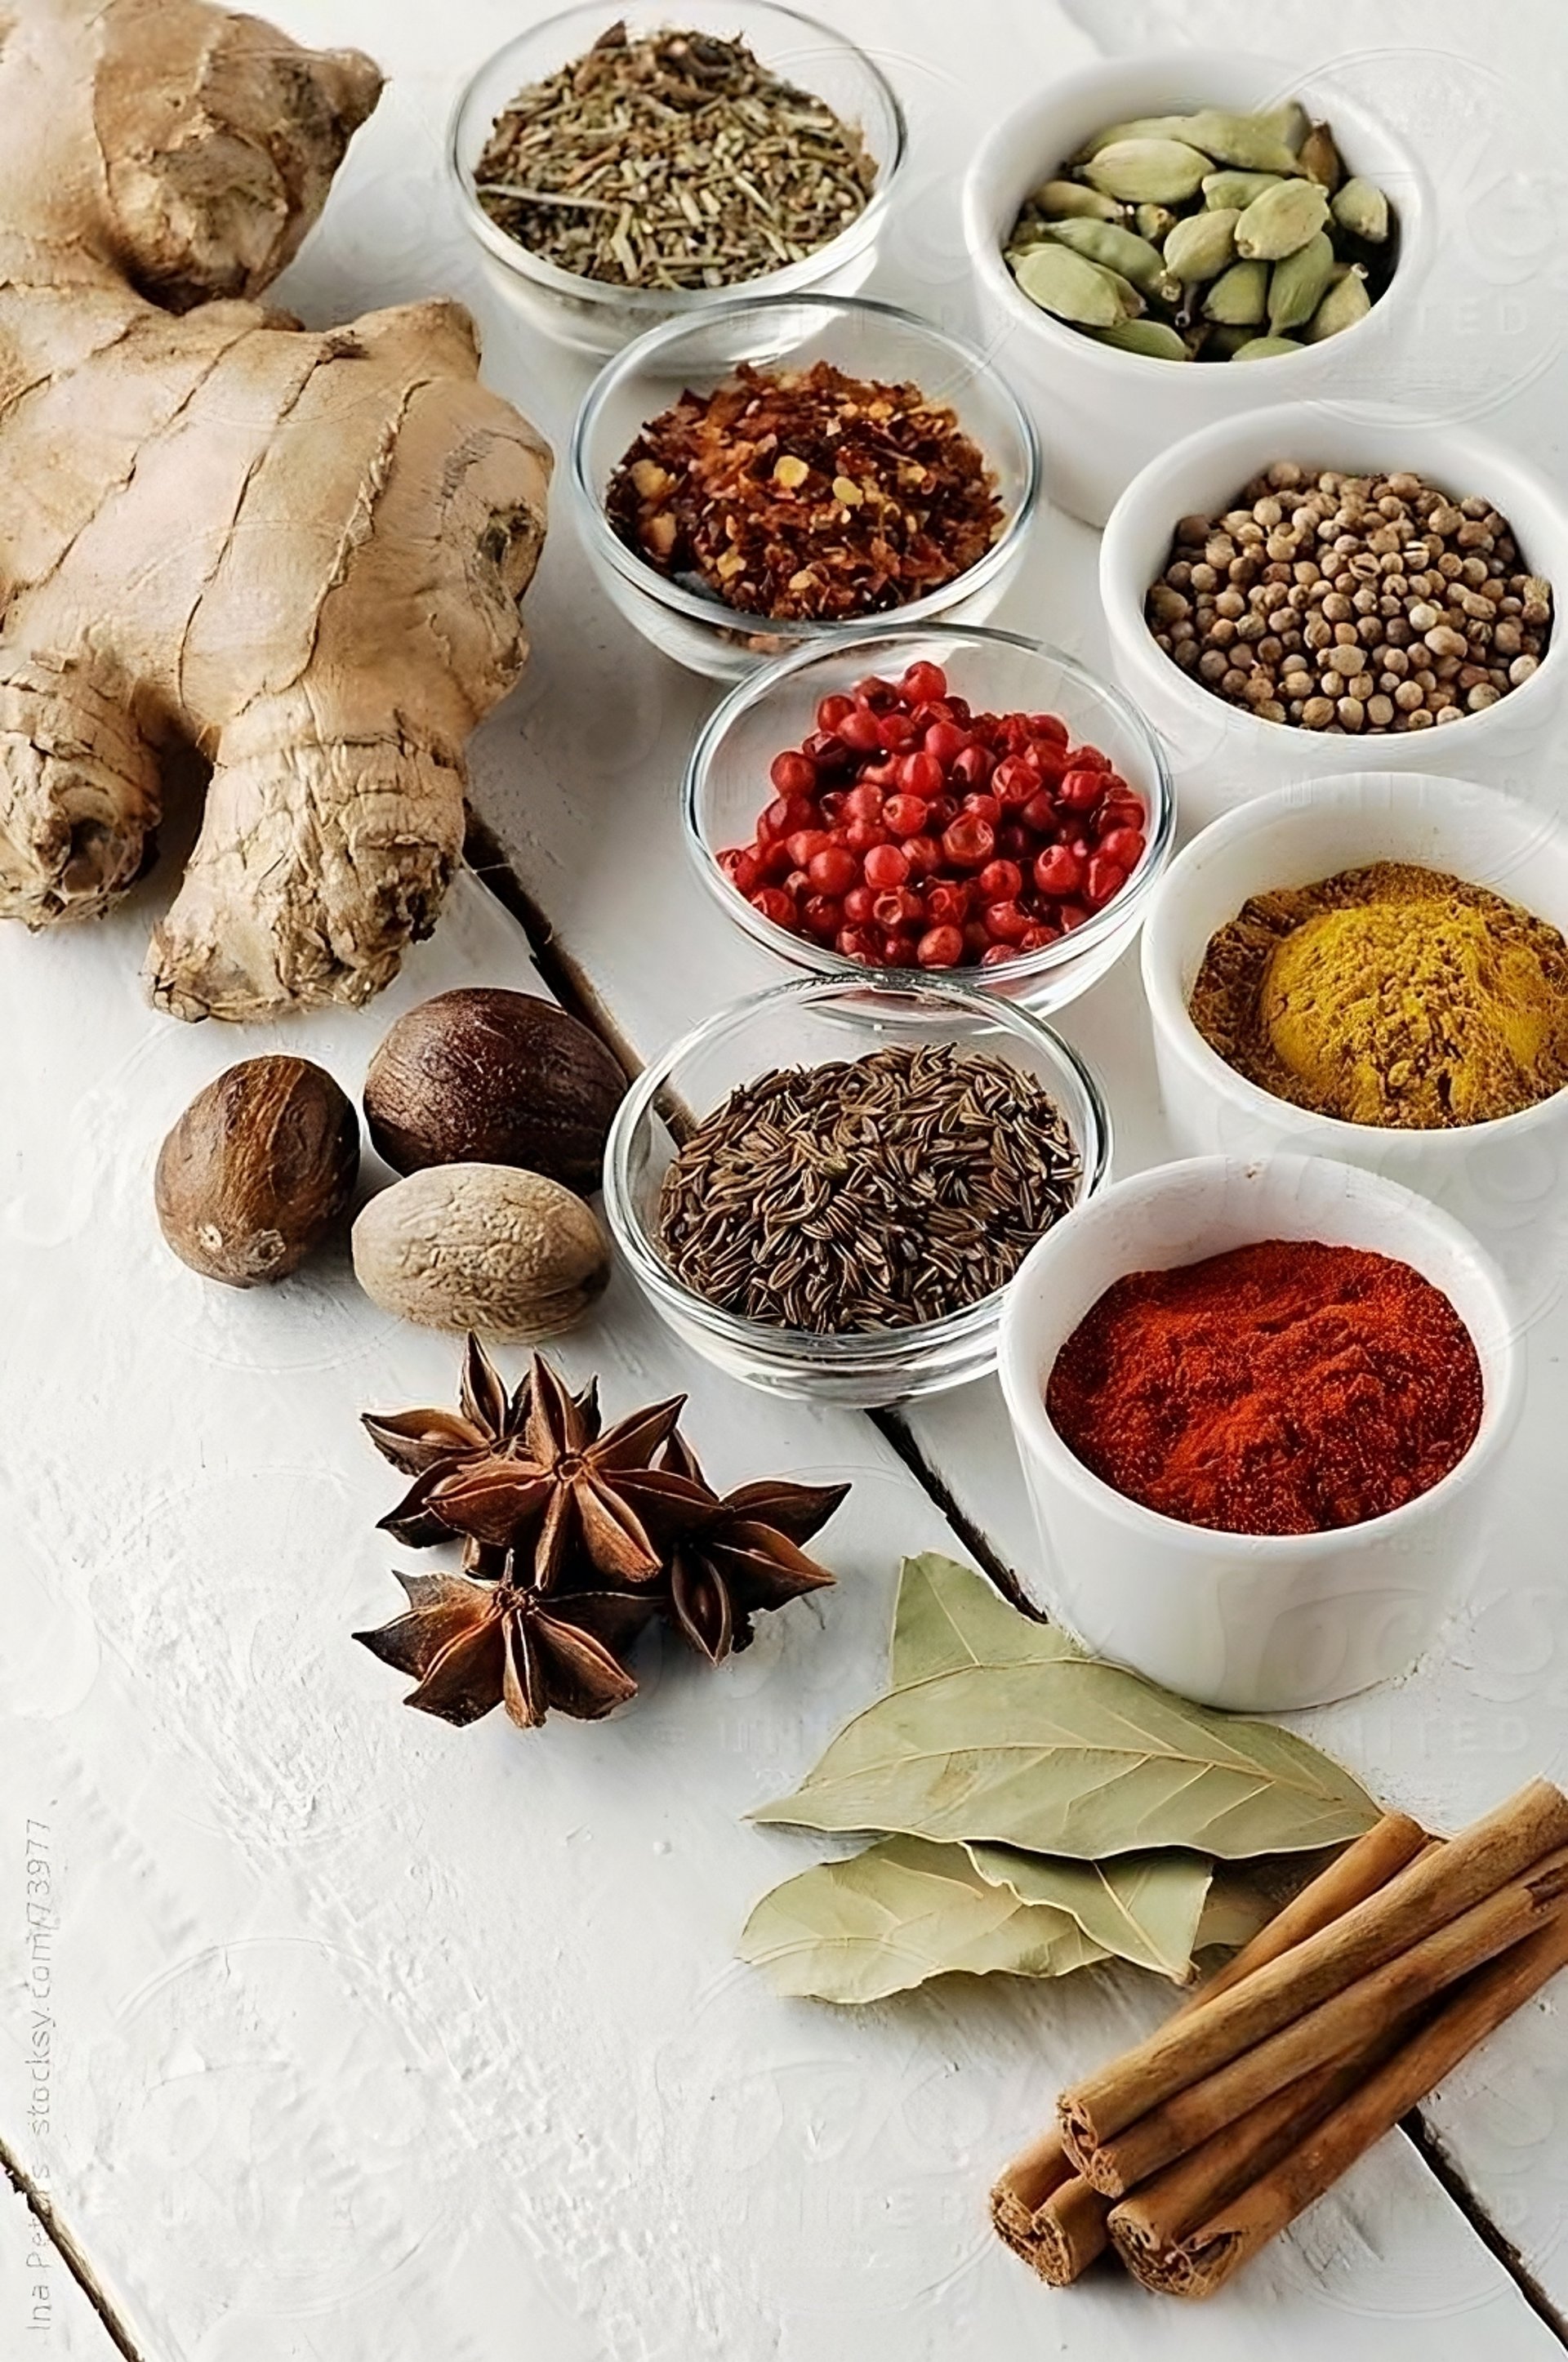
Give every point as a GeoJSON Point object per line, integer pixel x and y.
{"type": "Point", "coordinates": [1432, 1018]}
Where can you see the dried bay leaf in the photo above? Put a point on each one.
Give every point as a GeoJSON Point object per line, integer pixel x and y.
{"type": "Point", "coordinates": [1143, 1907]}
{"type": "Point", "coordinates": [1074, 1758]}
{"type": "Point", "coordinates": [949, 1616]}
{"type": "Point", "coordinates": [897, 1913]}
{"type": "Point", "coordinates": [1234, 1908]}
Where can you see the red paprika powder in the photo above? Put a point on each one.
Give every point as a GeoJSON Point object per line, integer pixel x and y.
{"type": "Point", "coordinates": [1282, 1388]}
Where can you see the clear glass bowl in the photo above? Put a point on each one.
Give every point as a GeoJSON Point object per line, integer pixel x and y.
{"type": "Point", "coordinates": [808, 1021]}
{"type": "Point", "coordinates": [865, 339]}
{"type": "Point", "coordinates": [998, 672]}
{"type": "Point", "coordinates": [593, 315]}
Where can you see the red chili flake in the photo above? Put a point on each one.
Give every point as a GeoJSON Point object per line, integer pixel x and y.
{"type": "Point", "coordinates": [807, 494]}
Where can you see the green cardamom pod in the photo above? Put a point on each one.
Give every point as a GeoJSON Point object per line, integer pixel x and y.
{"type": "Point", "coordinates": [1147, 172]}
{"type": "Point", "coordinates": [1223, 189]}
{"type": "Point", "coordinates": [1239, 139]}
{"type": "Point", "coordinates": [1346, 301]}
{"type": "Point", "coordinates": [1115, 250]}
{"type": "Point", "coordinates": [1222, 343]}
{"type": "Point", "coordinates": [1261, 348]}
{"type": "Point", "coordinates": [1141, 126]}
{"type": "Point", "coordinates": [1156, 338]}
{"type": "Point", "coordinates": [1319, 159]}
{"type": "Point", "coordinates": [1067, 200]}
{"type": "Point", "coordinates": [1153, 222]}
{"type": "Point", "coordinates": [1073, 287]}
{"type": "Point", "coordinates": [1362, 210]}
{"type": "Point", "coordinates": [1289, 122]}
{"type": "Point", "coordinates": [1239, 297]}
{"type": "Point", "coordinates": [1299, 284]}
{"type": "Point", "coordinates": [1203, 244]}
{"type": "Point", "coordinates": [1281, 220]}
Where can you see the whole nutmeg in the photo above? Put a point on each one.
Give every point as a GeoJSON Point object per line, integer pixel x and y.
{"type": "Point", "coordinates": [258, 1170]}
{"type": "Point", "coordinates": [484, 1077]}
{"type": "Point", "coordinates": [513, 1255]}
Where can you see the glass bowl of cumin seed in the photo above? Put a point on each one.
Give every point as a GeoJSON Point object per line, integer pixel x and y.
{"type": "Point", "coordinates": [814, 1024]}
{"type": "Point", "coordinates": [602, 288]}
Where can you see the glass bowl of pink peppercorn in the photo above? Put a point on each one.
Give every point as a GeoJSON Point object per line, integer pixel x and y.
{"type": "Point", "coordinates": [947, 799]}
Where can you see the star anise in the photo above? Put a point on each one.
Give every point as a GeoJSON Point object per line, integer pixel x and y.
{"type": "Point", "coordinates": [562, 1485]}
{"type": "Point", "coordinates": [475, 1645]}
{"type": "Point", "coordinates": [431, 1445]}
{"type": "Point", "coordinates": [745, 1558]}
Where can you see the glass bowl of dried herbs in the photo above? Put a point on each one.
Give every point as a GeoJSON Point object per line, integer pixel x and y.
{"type": "Point", "coordinates": [620, 166]}
{"type": "Point", "coordinates": [936, 797]}
{"type": "Point", "coordinates": [791, 471]}
{"type": "Point", "coordinates": [826, 1188]}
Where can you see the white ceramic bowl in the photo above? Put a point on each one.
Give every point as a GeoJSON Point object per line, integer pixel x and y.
{"type": "Point", "coordinates": [1102, 414]}
{"type": "Point", "coordinates": [726, 783]}
{"type": "Point", "coordinates": [1504, 1180]}
{"type": "Point", "coordinates": [1222, 755]}
{"type": "Point", "coordinates": [1256, 1622]}
{"type": "Point", "coordinates": [850, 333]}
{"type": "Point", "coordinates": [596, 315]}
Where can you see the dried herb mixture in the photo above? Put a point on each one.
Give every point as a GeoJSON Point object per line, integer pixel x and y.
{"type": "Point", "coordinates": [807, 493]}
{"type": "Point", "coordinates": [675, 159]}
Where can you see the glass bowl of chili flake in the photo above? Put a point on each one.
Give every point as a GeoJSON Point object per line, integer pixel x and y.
{"type": "Point", "coordinates": [946, 798]}
{"type": "Point", "coordinates": [819, 1192]}
{"type": "Point", "coordinates": [787, 471]}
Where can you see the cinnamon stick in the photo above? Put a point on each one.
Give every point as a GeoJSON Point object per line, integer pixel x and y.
{"type": "Point", "coordinates": [1162, 2210]}
{"type": "Point", "coordinates": [1421, 1898]}
{"type": "Point", "coordinates": [1041, 2206]}
{"type": "Point", "coordinates": [1197, 2263]}
{"type": "Point", "coordinates": [1048, 2214]}
{"type": "Point", "coordinates": [1337, 2031]}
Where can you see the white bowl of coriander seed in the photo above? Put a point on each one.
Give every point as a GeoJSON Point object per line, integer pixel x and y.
{"type": "Point", "coordinates": [1312, 589]}
{"type": "Point", "coordinates": [1374, 968]}
{"type": "Point", "coordinates": [1107, 408]}
{"type": "Point", "coordinates": [792, 471]}
{"type": "Point", "coordinates": [622, 165]}
{"type": "Point", "coordinates": [825, 1188]}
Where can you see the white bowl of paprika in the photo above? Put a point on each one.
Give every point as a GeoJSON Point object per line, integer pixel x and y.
{"type": "Point", "coordinates": [1250, 1620]}
{"type": "Point", "coordinates": [1501, 1175]}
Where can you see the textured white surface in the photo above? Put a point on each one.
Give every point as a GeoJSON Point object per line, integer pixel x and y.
{"type": "Point", "coordinates": [42, 2310]}
{"type": "Point", "coordinates": [380, 2042]}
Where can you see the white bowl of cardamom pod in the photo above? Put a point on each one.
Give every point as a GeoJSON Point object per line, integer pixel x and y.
{"type": "Point", "coordinates": [1104, 413]}
{"type": "Point", "coordinates": [1458, 1014]}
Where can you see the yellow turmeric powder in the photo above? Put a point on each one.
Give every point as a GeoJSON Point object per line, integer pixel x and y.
{"type": "Point", "coordinates": [1392, 995]}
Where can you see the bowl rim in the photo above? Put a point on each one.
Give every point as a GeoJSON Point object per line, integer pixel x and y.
{"type": "Point", "coordinates": [1500, 1360]}
{"type": "Point", "coordinates": [610, 549]}
{"type": "Point", "coordinates": [684, 303]}
{"type": "Point", "coordinates": [1124, 906]}
{"type": "Point", "coordinates": [1447, 450]}
{"type": "Point", "coordinates": [851, 1351]}
{"type": "Point", "coordinates": [1172, 1018]}
{"type": "Point", "coordinates": [1416, 233]}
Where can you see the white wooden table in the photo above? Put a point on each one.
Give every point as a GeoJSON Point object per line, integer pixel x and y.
{"type": "Point", "coordinates": [371, 2041]}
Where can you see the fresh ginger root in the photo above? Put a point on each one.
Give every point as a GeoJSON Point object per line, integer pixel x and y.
{"type": "Point", "coordinates": [300, 553]}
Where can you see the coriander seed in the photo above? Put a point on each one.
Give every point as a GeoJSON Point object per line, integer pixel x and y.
{"type": "Point", "coordinates": [1353, 605]}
